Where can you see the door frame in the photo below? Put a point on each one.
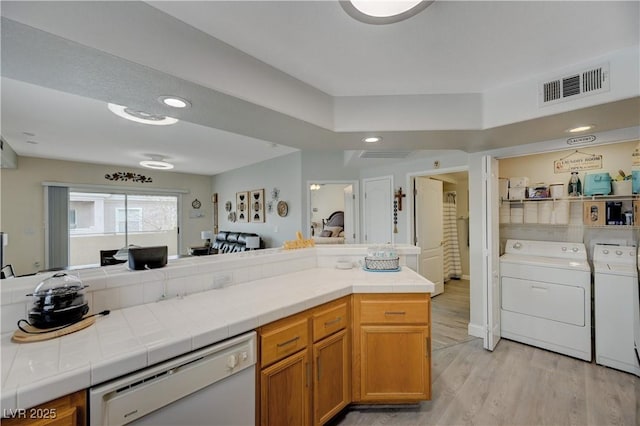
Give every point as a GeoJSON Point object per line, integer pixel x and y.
{"type": "Point", "coordinates": [410, 177]}
{"type": "Point", "coordinates": [356, 207]}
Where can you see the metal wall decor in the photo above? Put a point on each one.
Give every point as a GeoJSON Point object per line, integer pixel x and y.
{"type": "Point", "coordinates": [256, 205]}
{"type": "Point", "coordinates": [242, 206]}
{"type": "Point", "coordinates": [128, 176]}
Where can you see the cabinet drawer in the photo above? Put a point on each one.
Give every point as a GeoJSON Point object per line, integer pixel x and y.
{"type": "Point", "coordinates": [328, 321]}
{"type": "Point", "coordinates": [394, 312]}
{"type": "Point", "coordinates": [278, 342]}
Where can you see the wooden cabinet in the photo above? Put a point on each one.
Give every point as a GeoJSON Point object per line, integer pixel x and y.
{"type": "Point", "coordinates": [69, 410]}
{"type": "Point", "coordinates": [284, 391]}
{"type": "Point", "coordinates": [315, 363]}
{"type": "Point", "coordinates": [331, 360]}
{"type": "Point", "coordinates": [392, 348]}
{"type": "Point", "coordinates": [305, 365]}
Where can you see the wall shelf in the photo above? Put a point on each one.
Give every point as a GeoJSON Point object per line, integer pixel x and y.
{"type": "Point", "coordinates": [579, 199]}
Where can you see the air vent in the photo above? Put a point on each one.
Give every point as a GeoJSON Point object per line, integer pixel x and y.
{"type": "Point", "coordinates": [574, 86]}
{"type": "Point", "coordinates": [385, 154]}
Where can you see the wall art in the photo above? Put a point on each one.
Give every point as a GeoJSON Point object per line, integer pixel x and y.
{"type": "Point", "coordinates": [242, 206]}
{"type": "Point", "coordinates": [128, 176]}
{"type": "Point", "coordinates": [257, 205]}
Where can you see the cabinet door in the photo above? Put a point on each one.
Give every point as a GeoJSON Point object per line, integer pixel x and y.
{"type": "Point", "coordinates": [394, 363]}
{"type": "Point", "coordinates": [284, 392]}
{"type": "Point", "coordinates": [332, 376]}
{"type": "Point", "coordinates": [69, 410]}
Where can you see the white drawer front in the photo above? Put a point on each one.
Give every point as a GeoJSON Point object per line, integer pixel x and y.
{"type": "Point", "coordinates": [556, 302]}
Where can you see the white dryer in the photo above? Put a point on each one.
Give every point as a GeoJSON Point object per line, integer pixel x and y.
{"type": "Point", "coordinates": [546, 296]}
{"type": "Point", "coordinates": [616, 306]}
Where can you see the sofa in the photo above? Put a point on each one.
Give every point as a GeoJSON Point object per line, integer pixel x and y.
{"type": "Point", "coordinates": [233, 242]}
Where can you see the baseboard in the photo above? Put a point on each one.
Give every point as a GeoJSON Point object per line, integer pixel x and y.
{"type": "Point", "coordinates": [475, 330]}
{"type": "Point", "coordinates": [466, 277]}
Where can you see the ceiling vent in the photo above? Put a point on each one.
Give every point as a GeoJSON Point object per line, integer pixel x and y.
{"type": "Point", "coordinates": [574, 85]}
{"type": "Point", "coordinates": [385, 154]}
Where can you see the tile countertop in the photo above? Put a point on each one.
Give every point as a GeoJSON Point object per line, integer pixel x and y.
{"type": "Point", "coordinates": [139, 336]}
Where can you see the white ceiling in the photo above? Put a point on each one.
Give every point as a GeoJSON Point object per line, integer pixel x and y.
{"type": "Point", "coordinates": [264, 73]}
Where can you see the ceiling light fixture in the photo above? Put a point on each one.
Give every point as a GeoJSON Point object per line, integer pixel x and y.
{"type": "Point", "coordinates": [141, 116]}
{"type": "Point", "coordinates": [174, 101]}
{"type": "Point", "coordinates": [372, 139]}
{"type": "Point", "coordinates": [157, 162]}
{"type": "Point", "coordinates": [580, 129]}
{"type": "Point", "coordinates": [380, 12]}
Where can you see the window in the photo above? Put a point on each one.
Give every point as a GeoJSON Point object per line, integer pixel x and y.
{"type": "Point", "coordinates": [81, 223]}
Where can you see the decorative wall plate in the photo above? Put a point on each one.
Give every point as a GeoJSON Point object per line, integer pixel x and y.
{"type": "Point", "coordinates": [196, 204]}
{"type": "Point", "coordinates": [227, 206]}
{"type": "Point", "coordinates": [283, 208]}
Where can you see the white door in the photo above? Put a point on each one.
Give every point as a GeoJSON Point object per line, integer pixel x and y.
{"type": "Point", "coordinates": [491, 251]}
{"type": "Point", "coordinates": [378, 206]}
{"type": "Point", "coordinates": [429, 235]}
{"type": "Point", "coordinates": [349, 214]}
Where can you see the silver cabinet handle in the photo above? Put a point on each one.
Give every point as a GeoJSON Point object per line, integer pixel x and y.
{"type": "Point", "coordinates": [395, 313]}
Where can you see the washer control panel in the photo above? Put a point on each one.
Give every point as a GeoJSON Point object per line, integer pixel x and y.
{"type": "Point", "coordinates": [614, 254]}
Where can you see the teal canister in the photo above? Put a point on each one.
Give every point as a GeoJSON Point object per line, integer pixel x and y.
{"type": "Point", "coordinates": [635, 181]}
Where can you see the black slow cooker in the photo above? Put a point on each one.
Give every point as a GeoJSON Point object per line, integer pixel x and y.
{"type": "Point", "coordinates": [57, 301]}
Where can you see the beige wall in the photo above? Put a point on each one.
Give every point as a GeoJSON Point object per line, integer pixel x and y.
{"type": "Point", "coordinates": [539, 167]}
{"type": "Point", "coordinates": [22, 205]}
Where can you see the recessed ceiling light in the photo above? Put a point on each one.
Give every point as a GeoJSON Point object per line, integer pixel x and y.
{"type": "Point", "coordinates": [383, 12]}
{"type": "Point", "coordinates": [29, 134]}
{"type": "Point", "coordinates": [156, 162]}
{"type": "Point", "coordinates": [175, 101]}
{"type": "Point", "coordinates": [141, 116]}
{"type": "Point", "coordinates": [580, 129]}
{"type": "Point", "coordinates": [32, 142]}
{"type": "Point", "coordinates": [372, 139]}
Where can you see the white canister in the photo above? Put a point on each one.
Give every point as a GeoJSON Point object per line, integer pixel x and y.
{"type": "Point", "coordinates": [556, 190]}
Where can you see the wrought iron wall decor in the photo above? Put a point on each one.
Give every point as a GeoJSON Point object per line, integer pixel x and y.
{"type": "Point", "coordinates": [128, 176]}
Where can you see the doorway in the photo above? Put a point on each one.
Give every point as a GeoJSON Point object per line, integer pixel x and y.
{"type": "Point", "coordinates": [325, 198]}
{"type": "Point", "coordinates": [439, 224]}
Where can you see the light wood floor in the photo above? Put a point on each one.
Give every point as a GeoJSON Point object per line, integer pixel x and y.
{"type": "Point", "coordinates": [450, 315]}
{"type": "Point", "coordinates": [516, 384]}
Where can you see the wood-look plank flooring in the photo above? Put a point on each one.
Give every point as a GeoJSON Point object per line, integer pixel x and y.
{"type": "Point", "coordinates": [516, 384]}
{"type": "Point", "coordinates": [450, 315]}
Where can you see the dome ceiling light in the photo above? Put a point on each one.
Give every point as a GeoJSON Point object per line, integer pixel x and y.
{"type": "Point", "coordinates": [141, 116]}
{"type": "Point", "coordinates": [381, 12]}
{"type": "Point", "coordinates": [157, 162]}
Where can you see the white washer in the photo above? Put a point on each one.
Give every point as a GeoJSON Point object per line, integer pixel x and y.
{"type": "Point", "coordinates": [616, 306]}
{"type": "Point", "coordinates": [546, 296]}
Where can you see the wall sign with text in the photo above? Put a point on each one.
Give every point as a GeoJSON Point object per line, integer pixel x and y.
{"type": "Point", "coordinates": [577, 161]}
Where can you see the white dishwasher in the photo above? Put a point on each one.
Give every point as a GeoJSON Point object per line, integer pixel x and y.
{"type": "Point", "coordinates": [214, 386]}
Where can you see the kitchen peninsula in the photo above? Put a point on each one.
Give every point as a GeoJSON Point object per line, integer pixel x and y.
{"type": "Point", "coordinates": [195, 302]}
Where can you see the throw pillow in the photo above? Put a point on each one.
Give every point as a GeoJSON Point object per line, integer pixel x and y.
{"type": "Point", "coordinates": [335, 230]}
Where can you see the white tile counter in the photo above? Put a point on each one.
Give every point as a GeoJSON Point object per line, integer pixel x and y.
{"type": "Point", "coordinates": [134, 337]}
